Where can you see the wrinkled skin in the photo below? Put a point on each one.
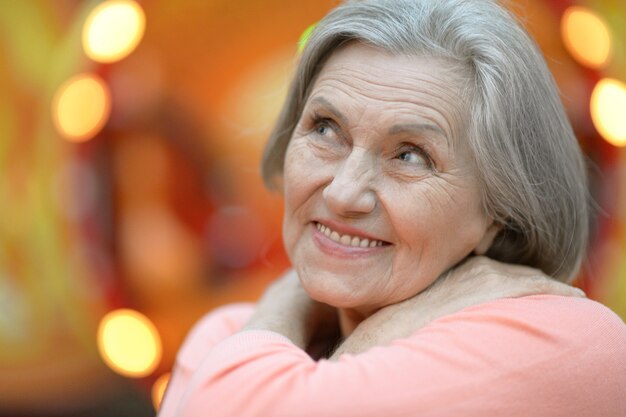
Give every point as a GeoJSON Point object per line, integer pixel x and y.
{"type": "Point", "coordinates": [380, 155]}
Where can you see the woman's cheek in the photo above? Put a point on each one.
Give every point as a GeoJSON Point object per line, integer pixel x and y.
{"type": "Point", "coordinates": [305, 167]}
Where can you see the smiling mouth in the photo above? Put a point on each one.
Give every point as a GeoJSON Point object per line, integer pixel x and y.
{"type": "Point", "coordinates": [349, 240]}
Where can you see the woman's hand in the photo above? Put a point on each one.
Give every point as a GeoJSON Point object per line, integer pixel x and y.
{"type": "Point", "coordinates": [286, 308]}
{"type": "Point", "coordinates": [475, 281]}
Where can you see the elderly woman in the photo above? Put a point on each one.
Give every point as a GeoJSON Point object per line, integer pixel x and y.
{"type": "Point", "coordinates": [435, 207]}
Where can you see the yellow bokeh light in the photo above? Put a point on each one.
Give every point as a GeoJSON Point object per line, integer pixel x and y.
{"type": "Point", "coordinates": [586, 37]}
{"type": "Point", "coordinates": [158, 390]}
{"type": "Point", "coordinates": [81, 107]}
{"type": "Point", "coordinates": [608, 110]}
{"type": "Point", "coordinates": [113, 30]}
{"type": "Point", "coordinates": [129, 343]}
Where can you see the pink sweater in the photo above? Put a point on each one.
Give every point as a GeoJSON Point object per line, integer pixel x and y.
{"type": "Point", "coordinates": [532, 356]}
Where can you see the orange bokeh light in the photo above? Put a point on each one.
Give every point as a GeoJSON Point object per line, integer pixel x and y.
{"type": "Point", "coordinates": [81, 107]}
{"type": "Point", "coordinates": [608, 107]}
{"type": "Point", "coordinates": [113, 30]}
{"type": "Point", "coordinates": [158, 390]}
{"type": "Point", "coordinates": [129, 343]}
{"type": "Point", "coordinates": [586, 37]}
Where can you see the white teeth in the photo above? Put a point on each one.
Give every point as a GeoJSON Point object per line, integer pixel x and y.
{"type": "Point", "coordinates": [347, 239]}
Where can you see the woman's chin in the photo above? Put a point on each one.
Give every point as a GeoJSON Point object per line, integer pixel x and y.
{"type": "Point", "coordinates": [341, 301]}
{"type": "Point", "coordinates": [333, 297]}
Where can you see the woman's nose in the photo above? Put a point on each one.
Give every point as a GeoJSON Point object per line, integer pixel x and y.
{"type": "Point", "coordinates": [349, 193]}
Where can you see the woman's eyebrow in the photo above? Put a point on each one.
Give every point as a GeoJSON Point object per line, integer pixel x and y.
{"type": "Point", "coordinates": [418, 128]}
{"type": "Point", "coordinates": [410, 128]}
{"type": "Point", "coordinates": [319, 100]}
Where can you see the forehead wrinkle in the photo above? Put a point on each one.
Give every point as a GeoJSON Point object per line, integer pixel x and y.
{"type": "Point", "coordinates": [336, 79]}
{"type": "Point", "coordinates": [407, 80]}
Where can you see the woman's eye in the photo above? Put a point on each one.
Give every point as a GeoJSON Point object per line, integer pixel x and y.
{"type": "Point", "coordinates": [414, 156]}
{"type": "Point", "coordinates": [326, 137]}
{"type": "Point", "coordinates": [322, 129]}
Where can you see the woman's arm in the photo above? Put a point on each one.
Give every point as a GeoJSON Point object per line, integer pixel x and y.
{"type": "Point", "coordinates": [511, 357]}
{"type": "Point", "coordinates": [478, 280]}
{"type": "Point", "coordinates": [488, 359]}
{"type": "Point", "coordinates": [213, 328]}
{"type": "Point", "coordinates": [287, 309]}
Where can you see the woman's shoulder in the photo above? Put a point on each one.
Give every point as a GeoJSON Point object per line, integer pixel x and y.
{"type": "Point", "coordinates": [212, 328]}
{"type": "Point", "coordinates": [569, 313]}
{"type": "Point", "coordinates": [550, 354]}
{"type": "Point", "coordinates": [228, 318]}
{"type": "Point", "coordinates": [547, 326]}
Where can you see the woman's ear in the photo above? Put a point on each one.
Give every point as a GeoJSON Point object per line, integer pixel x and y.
{"type": "Point", "coordinates": [485, 243]}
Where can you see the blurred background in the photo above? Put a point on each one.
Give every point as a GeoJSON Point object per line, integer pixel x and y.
{"type": "Point", "coordinates": [130, 200]}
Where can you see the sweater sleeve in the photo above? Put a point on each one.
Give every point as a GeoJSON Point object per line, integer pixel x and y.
{"type": "Point", "coordinates": [209, 331]}
{"type": "Point", "coordinates": [539, 355]}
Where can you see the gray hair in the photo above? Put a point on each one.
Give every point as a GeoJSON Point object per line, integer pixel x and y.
{"type": "Point", "coordinates": [527, 157]}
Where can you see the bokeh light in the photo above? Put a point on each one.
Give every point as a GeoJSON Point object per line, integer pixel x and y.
{"type": "Point", "coordinates": [158, 389]}
{"type": "Point", "coordinates": [113, 30]}
{"type": "Point", "coordinates": [81, 107]}
{"type": "Point", "coordinates": [586, 37]}
{"type": "Point", "coordinates": [608, 110]}
{"type": "Point", "coordinates": [129, 343]}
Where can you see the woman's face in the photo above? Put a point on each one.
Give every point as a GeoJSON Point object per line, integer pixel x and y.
{"type": "Point", "coordinates": [380, 194]}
